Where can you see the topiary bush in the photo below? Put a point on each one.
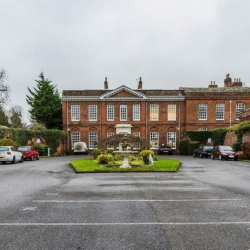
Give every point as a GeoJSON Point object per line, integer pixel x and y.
{"type": "Point", "coordinates": [183, 147]}
{"type": "Point", "coordinates": [145, 154]}
{"type": "Point", "coordinates": [105, 159]}
{"type": "Point", "coordinates": [8, 142]}
{"type": "Point", "coordinates": [42, 149]}
{"type": "Point", "coordinates": [192, 145]}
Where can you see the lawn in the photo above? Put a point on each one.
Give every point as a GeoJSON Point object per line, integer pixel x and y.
{"type": "Point", "coordinates": [90, 166]}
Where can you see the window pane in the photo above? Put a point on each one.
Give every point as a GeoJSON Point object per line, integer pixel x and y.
{"type": "Point", "coordinates": [171, 112]}
{"type": "Point", "coordinates": [154, 112]}
{"type": "Point", "coordinates": [220, 109]}
{"type": "Point", "coordinates": [202, 111]}
{"type": "Point", "coordinates": [75, 137]}
{"type": "Point", "coordinates": [92, 140]}
{"type": "Point", "coordinates": [171, 137]}
{"type": "Point", "coordinates": [154, 140]}
{"type": "Point", "coordinates": [239, 107]}
{"type": "Point", "coordinates": [110, 112]}
{"type": "Point", "coordinates": [136, 112]}
{"type": "Point", "coordinates": [75, 113]}
{"type": "Point", "coordinates": [92, 113]}
{"type": "Point", "coordinates": [123, 112]}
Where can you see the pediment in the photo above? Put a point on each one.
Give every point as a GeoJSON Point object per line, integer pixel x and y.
{"type": "Point", "coordinates": [123, 92]}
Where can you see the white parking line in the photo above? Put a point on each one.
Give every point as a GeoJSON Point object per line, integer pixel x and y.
{"type": "Point", "coordinates": [108, 201]}
{"type": "Point", "coordinates": [132, 224]}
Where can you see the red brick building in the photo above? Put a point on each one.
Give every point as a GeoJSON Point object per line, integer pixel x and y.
{"type": "Point", "coordinates": [162, 116]}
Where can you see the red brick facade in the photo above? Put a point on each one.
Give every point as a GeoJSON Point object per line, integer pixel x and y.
{"type": "Point", "coordinates": [178, 111]}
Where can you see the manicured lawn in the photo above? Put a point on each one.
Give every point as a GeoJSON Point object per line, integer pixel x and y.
{"type": "Point", "coordinates": [90, 166]}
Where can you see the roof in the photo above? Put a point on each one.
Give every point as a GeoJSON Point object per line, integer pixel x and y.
{"type": "Point", "coordinates": [216, 89]}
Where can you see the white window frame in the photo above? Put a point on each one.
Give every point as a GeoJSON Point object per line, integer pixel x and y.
{"type": "Point", "coordinates": [220, 111]}
{"type": "Point", "coordinates": [202, 111]}
{"type": "Point", "coordinates": [92, 140]}
{"type": "Point", "coordinates": [123, 112]}
{"type": "Point", "coordinates": [172, 112]}
{"type": "Point", "coordinates": [92, 112]}
{"type": "Point", "coordinates": [137, 145]}
{"type": "Point", "coordinates": [202, 129]}
{"type": "Point", "coordinates": [75, 137]}
{"type": "Point", "coordinates": [110, 112]}
{"type": "Point", "coordinates": [154, 112]}
{"type": "Point", "coordinates": [239, 107]}
{"type": "Point", "coordinates": [110, 146]}
{"type": "Point", "coordinates": [136, 112]}
{"type": "Point", "coordinates": [154, 140]}
{"type": "Point", "coordinates": [171, 139]}
{"type": "Point", "coordinates": [75, 113]}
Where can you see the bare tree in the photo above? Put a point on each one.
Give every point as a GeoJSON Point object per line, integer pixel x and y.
{"type": "Point", "coordinates": [4, 88]}
{"type": "Point", "coordinates": [16, 116]}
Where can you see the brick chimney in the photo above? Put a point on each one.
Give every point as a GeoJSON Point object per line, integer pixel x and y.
{"type": "Point", "coordinates": [228, 81]}
{"type": "Point", "coordinates": [237, 82]}
{"type": "Point", "coordinates": [106, 86]}
{"type": "Point", "coordinates": [212, 85]}
{"type": "Point", "coordinates": [140, 83]}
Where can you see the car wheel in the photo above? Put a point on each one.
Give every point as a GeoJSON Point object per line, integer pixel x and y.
{"type": "Point", "coordinates": [14, 160]}
{"type": "Point", "coordinates": [236, 159]}
{"type": "Point", "coordinates": [21, 159]}
{"type": "Point", "coordinates": [32, 158]}
{"type": "Point", "coordinates": [38, 157]}
{"type": "Point", "coordinates": [3, 162]}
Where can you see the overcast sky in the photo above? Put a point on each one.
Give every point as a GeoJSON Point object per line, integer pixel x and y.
{"type": "Point", "coordinates": [169, 43]}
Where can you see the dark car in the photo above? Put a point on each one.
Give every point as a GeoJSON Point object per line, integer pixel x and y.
{"type": "Point", "coordinates": [203, 151]}
{"type": "Point", "coordinates": [224, 153]}
{"type": "Point", "coordinates": [164, 149]}
{"type": "Point", "coordinates": [29, 153]}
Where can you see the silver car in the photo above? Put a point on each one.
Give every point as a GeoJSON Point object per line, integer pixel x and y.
{"type": "Point", "coordinates": [10, 154]}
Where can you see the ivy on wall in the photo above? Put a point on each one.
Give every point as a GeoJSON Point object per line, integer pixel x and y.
{"type": "Point", "coordinates": [21, 136]}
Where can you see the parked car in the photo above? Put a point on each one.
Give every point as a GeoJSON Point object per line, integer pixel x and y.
{"type": "Point", "coordinates": [10, 154]}
{"type": "Point", "coordinates": [164, 149]}
{"type": "Point", "coordinates": [224, 153]}
{"type": "Point", "coordinates": [29, 153]}
{"type": "Point", "coordinates": [80, 148]}
{"type": "Point", "coordinates": [203, 151]}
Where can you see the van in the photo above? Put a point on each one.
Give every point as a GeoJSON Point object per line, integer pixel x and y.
{"type": "Point", "coordinates": [80, 148]}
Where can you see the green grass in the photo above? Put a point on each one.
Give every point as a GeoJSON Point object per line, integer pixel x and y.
{"type": "Point", "coordinates": [90, 166]}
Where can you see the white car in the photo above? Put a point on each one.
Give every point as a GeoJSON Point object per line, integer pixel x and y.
{"type": "Point", "coordinates": [10, 154]}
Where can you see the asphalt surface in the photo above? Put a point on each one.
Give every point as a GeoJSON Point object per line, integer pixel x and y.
{"type": "Point", "coordinates": [45, 205]}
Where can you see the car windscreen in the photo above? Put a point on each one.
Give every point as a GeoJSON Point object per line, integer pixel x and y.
{"type": "Point", "coordinates": [23, 149]}
{"type": "Point", "coordinates": [207, 147]}
{"type": "Point", "coordinates": [4, 149]}
{"type": "Point", "coordinates": [226, 148]}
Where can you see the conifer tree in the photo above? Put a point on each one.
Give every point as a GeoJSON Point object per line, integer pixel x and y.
{"type": "Point", "coordinates": [45, 102]}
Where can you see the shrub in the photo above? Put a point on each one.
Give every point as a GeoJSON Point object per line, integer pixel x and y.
{"type": "Point", "coordinates": [237, 146]}
{"type": "Point", "coordinates": [200, 136]}
{"type": "Point", "coordinates": [145, 154]}
{"type": "Point", "coordinates": [7, 142]}
{"type": "Point", "coordinates": [105, 159]}
{"type": "Point", "coordinates": [118, 157]}
{"type": "Point", "coordinates": [192, 145]}
{"type": "Point", "coordinates": [183, 147]}
{"type": "Point", "coordinates": [240, 155]}
{"type": "Point", "coordinates": [96, 153]}
{"type": "Point", "coordinates": [218, 136]}
{"type": "Point", "coordinates": [42, 149]}
{"type": "Point", "coordinates": [131, 158]}
{"type": "Point", "coordinates": [246, 150]}
{"type": "Point", "coordinates": [68, 152]}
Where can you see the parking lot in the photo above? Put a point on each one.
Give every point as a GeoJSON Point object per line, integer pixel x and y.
{"type": "Point", "coordinates": [45, 205]}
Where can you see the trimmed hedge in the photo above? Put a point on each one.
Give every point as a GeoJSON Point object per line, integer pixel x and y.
{"type": "Point", "coordinates": [183, 147]}
{"type": "Point", "coordinates": [200, 136]}
{"type": "Point", "coordinates": [218, 136]}
{"type": "Point", "coordinates": [192, 145]}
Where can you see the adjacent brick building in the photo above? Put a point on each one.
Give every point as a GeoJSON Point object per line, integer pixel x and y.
{"type": "Point", "coordinates": [162, 116]}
